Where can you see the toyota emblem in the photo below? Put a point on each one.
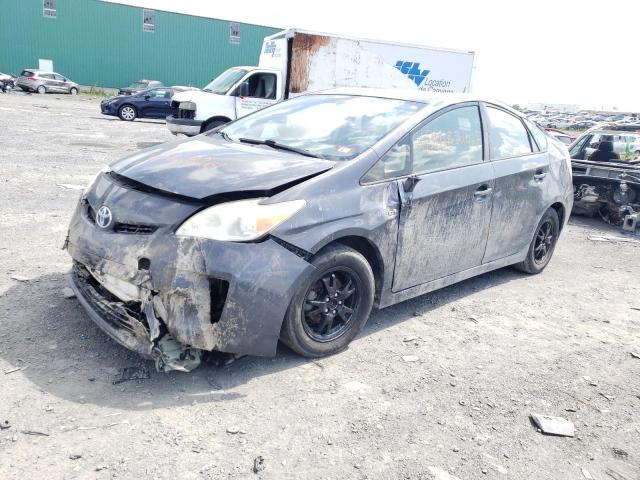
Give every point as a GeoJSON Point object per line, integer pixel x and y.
{"type": "Point", "coordinates": [104, 217]}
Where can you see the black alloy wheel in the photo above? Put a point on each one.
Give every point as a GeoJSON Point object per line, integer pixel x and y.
{"type": "Point", "coordinates": [545, 238]}
{"type": "Point", "coordinates": [330, 304]}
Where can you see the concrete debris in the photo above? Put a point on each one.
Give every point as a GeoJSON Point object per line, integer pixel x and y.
{"type": "Point", "coordinates": [618, 452]}
{"type": "Point", "coordinates": [610, 238]}
{"type": "Point", "coordinates": [258, 464]}
{"type": "Point", "coordinates": [410, 358]}
{"type": "Point", "coordinates": [635, 355]}
{"type": "Point", "coordinates": [608, 397]}
{"type": "Point", "coordinates": [68, 293]}
{"type": "Point", "coordinates": [33, 432]}
{"type": "Point", "coordinates": [70, 186]}
{"type": "Point", "coordinates": [132, 373]}
{"type": "Point", "coordinates": [12, 370]}
{"type": "Point", "coordinates": [19, 278]}
{"type": "Point", "coordinates": [440, 474]}
{"type": "Point", "coordinates": [75, 456]}
{"type": "Point", "coordinates": [4, 425]}
{"type": "Point", "coordinates": [233, 430]}
{"type": "Point", "coordinates": [586, 474]}
{"type": "Point", "coordinates": [553, 425]}
{"type": "Point", "coordinates": [590, 381]}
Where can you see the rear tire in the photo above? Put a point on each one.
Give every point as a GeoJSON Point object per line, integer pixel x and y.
{"type": "Point", "coordinates": [41, 90]}
{"type": "Point", "coordinates": [331, 305]}
{"type": "Point", "coordinates": [543, 244]}
{"type": "Point", "coordinates": [127, 113]}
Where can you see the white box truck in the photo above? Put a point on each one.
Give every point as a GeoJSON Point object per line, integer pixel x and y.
{"type": "Point", "coordinates": [293, 62]}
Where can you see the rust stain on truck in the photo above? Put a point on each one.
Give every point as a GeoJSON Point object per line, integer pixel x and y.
{"type": "Point", "coordinates": [305, 46]}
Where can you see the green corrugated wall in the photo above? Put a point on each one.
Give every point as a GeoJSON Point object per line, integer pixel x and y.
{"type": "Point", "coordinates": [99, 43]}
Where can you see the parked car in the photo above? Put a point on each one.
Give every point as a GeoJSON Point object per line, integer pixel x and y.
{"type": "Point", "coordinates": [154, 103]}
{"type": "Point", "coordinates": [139, 86]}
{"type": "Point", "coordinates": [281, 226]}
{"type": "Point", "coordinates": [606, 174]}
{"type": "Point", "coordinates": [34, 80]}
{"type": "Point", "coordinates": [7, 81]}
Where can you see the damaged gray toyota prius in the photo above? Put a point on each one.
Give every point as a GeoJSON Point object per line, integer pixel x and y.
{"type": "Point", "coordinates": [294, 222]}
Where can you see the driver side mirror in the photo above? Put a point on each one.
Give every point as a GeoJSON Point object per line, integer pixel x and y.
{"type": "Point", "coordinates": [243, 90]}
{"type": "Point", "coordinates": [147, 97]}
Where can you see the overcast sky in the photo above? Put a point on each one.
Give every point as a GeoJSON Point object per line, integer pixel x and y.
{"type": "Point", "coordinates": [560, 51]}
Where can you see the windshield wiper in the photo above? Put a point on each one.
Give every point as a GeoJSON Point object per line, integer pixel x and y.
{"type": "Point", "coordinates": [278, 146]}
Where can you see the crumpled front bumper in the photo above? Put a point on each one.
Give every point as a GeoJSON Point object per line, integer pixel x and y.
{"type": "Point", "coordinates": [192, 293]}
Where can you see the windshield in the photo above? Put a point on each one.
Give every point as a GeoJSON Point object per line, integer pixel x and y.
{"type": "Point", "coordinates": [223, 82]}
{"type": "Point", "coordinates": [139, 85]}
{"type": "Point", "coordinates": [334, 127]}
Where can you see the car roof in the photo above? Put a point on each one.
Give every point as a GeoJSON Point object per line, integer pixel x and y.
{"type": "Point", "coordinates": [416, 95]}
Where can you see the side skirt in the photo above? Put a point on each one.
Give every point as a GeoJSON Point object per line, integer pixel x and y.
{"type": "Point", "coordinates": [390, 298]}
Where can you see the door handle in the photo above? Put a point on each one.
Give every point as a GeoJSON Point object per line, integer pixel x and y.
{"type": "Point", "coordinates": [539, 175]}
{"type": "Point", "coordinates": [482, 192]}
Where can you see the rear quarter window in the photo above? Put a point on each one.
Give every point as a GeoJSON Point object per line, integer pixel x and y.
{"type": "Point", "coordinates": [26, 73]}
{"type": "Point", "coordinates": [508, 137]}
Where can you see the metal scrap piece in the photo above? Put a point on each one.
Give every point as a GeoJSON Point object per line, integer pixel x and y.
{"type": "Point", "coordinates": [553, 425]}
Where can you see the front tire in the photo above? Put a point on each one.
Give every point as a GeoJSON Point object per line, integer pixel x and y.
{"type": "Point", "coordinates": [127, 113]}
{"type": "Point", "coordinates": [41, 90]}
{"type": "Point", "coordinates": [73, 91]}
{"type": "Point", "coordinates": [331, 305]}
{"type": "Point", "coordinates": [543, 244]}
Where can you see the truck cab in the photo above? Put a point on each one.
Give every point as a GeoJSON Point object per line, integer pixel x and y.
{"type": "Point", "coordinates": [234, 93]}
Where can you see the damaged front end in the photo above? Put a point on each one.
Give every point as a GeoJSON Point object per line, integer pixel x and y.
{"type": "Point", "coordinates": [125, 312]}
{"type": "Point", "coordinates": [611, 192]}
{"type": "Point", "coordinates": [169, 297]}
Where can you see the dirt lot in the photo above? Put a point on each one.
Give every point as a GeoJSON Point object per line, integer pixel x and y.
{"type": "Point", "coordinates": [490, 351]}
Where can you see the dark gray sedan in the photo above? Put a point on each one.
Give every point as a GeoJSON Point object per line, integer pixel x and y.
{"type": "Point", "coordinates": [293, 222]}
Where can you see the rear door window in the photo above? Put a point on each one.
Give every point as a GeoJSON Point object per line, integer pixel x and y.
{"type": "Point", "coordinates": [507, 135]}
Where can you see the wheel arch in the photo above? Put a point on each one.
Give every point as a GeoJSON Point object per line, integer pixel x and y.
{"type": "Point", "coordinates": [561, 211]}
{"type": "Point", "coordinates": [214, 119]}
{"type": "Point", "coordinates": [368, 250]}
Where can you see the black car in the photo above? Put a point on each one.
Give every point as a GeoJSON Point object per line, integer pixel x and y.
{"type": "Point", "coordinates": [154, 103]}
{"type": "Point", "coordinates": [293, 222]}
{"type": "Point", "coordinates": [139, 86]}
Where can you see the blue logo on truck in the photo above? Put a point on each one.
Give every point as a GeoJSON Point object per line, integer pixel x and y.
{"type": "Point", "coordinates": [413, 71]}
{"type": "Point", "coordinates": [272, 48]}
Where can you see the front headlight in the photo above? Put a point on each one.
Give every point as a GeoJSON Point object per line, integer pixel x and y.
{"type": "Point", "coordinates": [187, 106]}
{"type": "Point", "coordinates": [240, 221]}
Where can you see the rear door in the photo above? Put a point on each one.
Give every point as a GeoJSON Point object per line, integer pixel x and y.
{"type": "Point", "coordinates": [444, 219]}
{"type": "Point", "coordinates": [521, 172]}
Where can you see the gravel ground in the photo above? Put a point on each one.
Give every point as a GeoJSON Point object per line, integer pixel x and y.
{"type": "Point", "coordinates": [488, 352]}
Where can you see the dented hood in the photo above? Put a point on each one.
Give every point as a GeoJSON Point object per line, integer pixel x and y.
{"type": "Point", "coordinates": [205, 166]}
